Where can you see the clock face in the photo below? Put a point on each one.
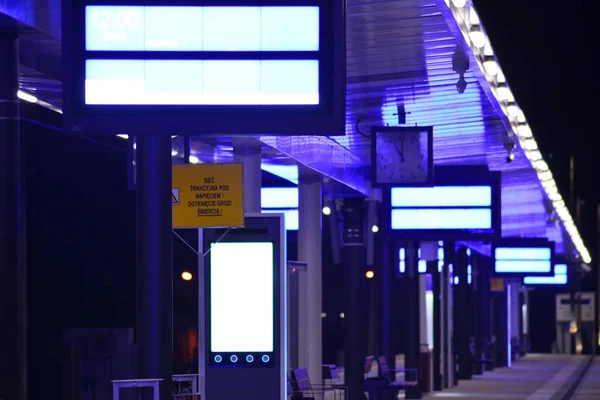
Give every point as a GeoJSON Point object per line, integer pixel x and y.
{"type": "Point", "coordinates": [402, 157]}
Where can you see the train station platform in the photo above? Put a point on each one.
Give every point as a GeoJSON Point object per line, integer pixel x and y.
{"type": "Point", "coordinates": [589, 389]}
{"type": "Point", "coordinates": [535, 377]}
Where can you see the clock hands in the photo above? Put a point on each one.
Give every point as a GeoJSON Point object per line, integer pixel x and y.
{"type": "Point", "coordinates": [401, 150]}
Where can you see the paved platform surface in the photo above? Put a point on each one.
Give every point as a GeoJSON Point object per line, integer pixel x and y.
{"type": "Point", "coordinates": [589, 389]}
{"type": "Point", "coordinates": [535, 377]}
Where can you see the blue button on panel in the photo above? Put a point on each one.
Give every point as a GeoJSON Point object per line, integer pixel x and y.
{"type": "Point", "coordinates": [233, 358]}
{"type": "Point", "coordinates": [265, 358]}
{"type": "Point", "coordinates": [218, 359]}
{"type": "Point", "coordinates": [249, 358]}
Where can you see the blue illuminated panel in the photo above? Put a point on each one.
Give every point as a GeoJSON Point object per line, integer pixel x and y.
{"type": "Point", "coordinates": [560, 277]}
{"type": "Point", "coordinates": [279, 197]}
{"type": "Point", "coordinates": [176, 28]}
{"type": "Point", "coordinates": [443, 196]}
{"type": "Point", "coordinates": [202, 82]}
{"type": "Point", "coordinates": [441, 218]}
{"type": "Point", "coordinates": [523, 260]}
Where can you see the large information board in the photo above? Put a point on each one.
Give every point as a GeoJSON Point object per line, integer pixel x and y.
{"type": "Point", "coordinates": [204, 66]}
{"type": "Point", "coordinates": [245, 310]}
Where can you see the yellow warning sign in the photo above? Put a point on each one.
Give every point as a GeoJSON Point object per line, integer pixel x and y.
{"type": "Point", "coordinates": [497, 285]}
{"type": "Point", "coordinates": [207, 195]}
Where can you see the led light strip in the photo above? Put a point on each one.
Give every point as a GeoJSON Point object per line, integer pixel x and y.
{"type": "Point", "coordinates": [468, 21]}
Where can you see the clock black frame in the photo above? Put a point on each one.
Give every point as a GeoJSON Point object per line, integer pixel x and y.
{"type": "Point", "coordinates": [400, 130]}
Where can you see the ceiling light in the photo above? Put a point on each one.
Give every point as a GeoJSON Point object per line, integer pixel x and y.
{"type": "Point", "coordinates": [194, 160]}
{"type": "Point", "coordinates": [500, 78]}
{"type": "Point", "coordinates": [545, 175]}
{"type": "Point", "coordinates": [477, 36]}
{"type": "Point", "coordinates": [541, 165]}
{"type": "Point", "coordinates": [370, 274]}
{"type": "Point", "coordinates": [524, 131]}
{"type": "Point", "coordinates": [534, 155]}
{"type": "Point", "coordinates": [473, 17]}
{"type": "Point", "coordinates": [512, 110]}
{"type": "Point", "coordinates": [529, 144]}
{"type": "Point", "coordinates": [375, 229]}
{"type": "Point", "coordinates": [174, 153]}
{"type": "Point", "coordinates": [491, 66]}
{"type": "Point", "coordinates": [186, 276]}
{"type": "Point", "coordinates": [123, 136]}
{"type": "Point", "coordinates": [503, 93]}
{"type": "Point", "coordinates": [326, 210]}
{"type": "Point", "coordinates": [459, 3]}
{"type": "Point", "coordinates": [26, 96]}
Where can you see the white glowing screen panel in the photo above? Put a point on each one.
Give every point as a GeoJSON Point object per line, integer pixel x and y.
{"type": "Point", "coordinates": [202, 82]}
{"type": "Point", "coordinates": [441, 218]}
{"type": "Point", "coordinates": [176, 28]}
{"type": "Point", "coordinates": [241, 297]}
{"type": "Point", "coordinates": [443, 196]}
{"type": "Point", "coordinates": [523, 260]}
{"type": "Point", "coordinates": [279, 197]}
{"type": "Point", "coordinates": [560, 277]}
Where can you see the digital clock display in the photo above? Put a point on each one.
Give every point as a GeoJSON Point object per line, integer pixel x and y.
{"type": "Point", "coordinates": [153, 28]}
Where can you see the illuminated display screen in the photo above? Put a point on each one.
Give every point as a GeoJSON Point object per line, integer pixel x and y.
{"type": "Point", "coordinates": [269, 63]}
{"type": "Point", "coordinates": [560, 277]}
{"type": "Point", "coordinates": [282, 200]}
{"type": "Point", "coordinates": [152, 28]}
{"type": "Point", "coordinates": [456, 208]}
{"type": "Point", "coordinates": [242, 299]}
{"type": "Point", "coordinates": [523, 259]}
{"type": "Point", "coordinates": [208, 82]}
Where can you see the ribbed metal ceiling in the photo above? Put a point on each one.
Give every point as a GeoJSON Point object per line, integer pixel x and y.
{"type": "Point", "coordinates": [399, 53]}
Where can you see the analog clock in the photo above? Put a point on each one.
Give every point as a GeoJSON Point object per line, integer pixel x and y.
{"type": "Point", "coordinates": [402, 156]}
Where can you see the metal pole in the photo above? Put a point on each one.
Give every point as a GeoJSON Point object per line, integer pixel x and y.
{"type": "Point", "coordinates": [597, 341]}
{"type": "Point", "coordinates": [412, 351]}
{"type": "Point", "coordinates": [248, 152]}
{"type": "Point", "coordinates": [13, 267]}
{"type": "Point", "coordinates": [354, 257]}
{"type": "Point", "coordinates": [477, 320]}
{"type": "Point", "coordinates": [437, 324]}
{"type": "Point", "coordinates": [155, 262]}
{"type": "Point", "coordinates": [309, 251]}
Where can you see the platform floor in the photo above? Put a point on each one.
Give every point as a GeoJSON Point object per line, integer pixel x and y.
{"type": "Point", "coordinates": [535, 377]}
{"type": "Point", "coordinates": [589, 389]}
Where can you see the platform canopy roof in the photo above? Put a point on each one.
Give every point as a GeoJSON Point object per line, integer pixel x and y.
{"type": "Point", "coordinates": [399, 54]}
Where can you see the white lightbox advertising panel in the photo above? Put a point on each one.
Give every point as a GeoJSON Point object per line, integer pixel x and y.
{"type": "Point", "coordinates": [241, 298]}
{"type": "Point", "coordinates": [560, 278]}
{"type": "Point", "coordinates": [247, 67]}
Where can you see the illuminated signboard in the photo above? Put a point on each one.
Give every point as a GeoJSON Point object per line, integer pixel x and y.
{"type": "Point", "coordinates": [561, 277]}
{"type": "Point", "coordinates": [244, 310]}
{"type": "Point", "coordinates": [282, 200]}
{"type": "Point", "coordinates": [204, 67]}
{"type": "Point", "coordinates": [523, 257]}
{"type": "Point", "coordinates": [457, 207]}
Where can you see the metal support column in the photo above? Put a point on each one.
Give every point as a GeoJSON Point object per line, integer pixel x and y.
{"type": "Point", "coordinates": [155, 261]}
{"type": "Point", "coordinates": [309, 251]}
{"type": "Point", "coordinates": [447, 331]}
{"type": "Point", "coordinates": [501, 319]}
{"type": "Point", "coordinates": [412, 352]}
{"type": "Point", "coordinates": [477, 307]}
{"type": "Point", "coordinates": [13, 268]}
{"type": "Point", "coordinates": [248, 152]}
{"type": "Point", "coordinates": [436, 276]}
{"type": "Point", "coordinates": [461, 316]}
{"type": "Point", "coordinates": [354, 257]}
{"type": "Point", "coordinates": [483, 277]}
